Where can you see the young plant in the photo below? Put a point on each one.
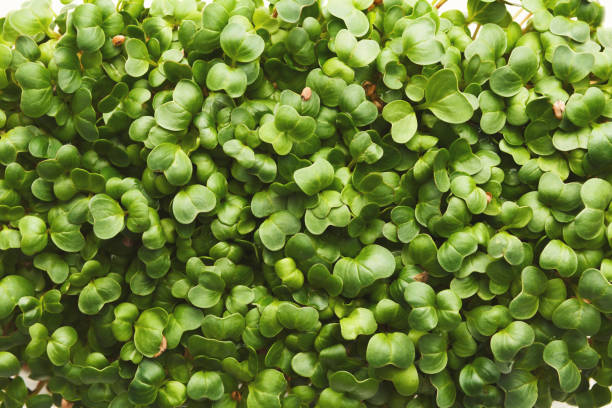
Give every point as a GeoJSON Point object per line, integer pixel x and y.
{"type": "Point", "coordinates": [300, 203]}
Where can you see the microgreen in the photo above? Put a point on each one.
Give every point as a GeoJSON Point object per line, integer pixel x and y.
{"type": "Point", "coordinates": [300, 203]}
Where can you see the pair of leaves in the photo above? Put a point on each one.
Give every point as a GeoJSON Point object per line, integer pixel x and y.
{"type": "Point", "coordinates": [430, 309]}
{"type": "Point", "coordinates": [443, 99]}
{"type": "Point", "coordinates": [522, 65]}
{"type": "Point", "coordinates": [371, 264]}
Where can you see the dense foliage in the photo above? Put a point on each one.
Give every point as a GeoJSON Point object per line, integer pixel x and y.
{"type": "Point", "coordinates": [341, 204]}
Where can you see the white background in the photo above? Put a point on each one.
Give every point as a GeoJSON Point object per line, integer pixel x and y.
{"type": "Point", "coordinates": [7, 5]}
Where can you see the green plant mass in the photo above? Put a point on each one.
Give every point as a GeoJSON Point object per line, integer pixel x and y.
{"type": "Point", "coordinates": [305, 204]}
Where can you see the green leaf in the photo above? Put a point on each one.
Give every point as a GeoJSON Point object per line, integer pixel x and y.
{"type": "Point", "coordinates": [274, 230]}
{"type": "Point", "coordinates": [238, 43]}
{"type": "Point", "coordinates": [422, 299]}
{"type": "Point", "coordinates": [403, 120]}
{"type": "Point", "coordinates": [13, 288]}
{"type": "Point", "coordinates": [533, 284]}
{"type": "Point", "coordinates": [122, 326]}
{"type": "Point", "coordinates": [184, 318]}
{"type": "Point", "coordinates": [148, 331]}
{"type": "Point", "coordinates": [290, 10]}
{"type": "Point", "coordinates": [30, 20]}
{"type": "Point", "coordinates": [576, 30]}
{"type": "Point", "coordinates": [188, 95]}
{"type": "Point", "coordinates": [490, 44]}
{"type": "Point", "coordinates": [454, 250]}
{"type": "Point", "coordinates": [191, 201]}
{"type": "Point", "coordinates": [232, 80]}
{"type": "Point", "coordinates": [173, 161]}
{"type": "Point", "coordinates": [419, 42]}
{"type": "Point", "coordinates": [595, 288]}
{"type": "Point", "coordinates": [288, 273]}
{"type": "Point", "coordinates": [584, 109]}
{"type": "Point", "coordinates": [328, 88]}
{"type": "Point", "coordinates": [557, 356]}
{"type": "Point", "coordinates": [360, 322]}
{"type": "Point", "coordinates": [522, 65]}
{"type": "Point", "coordinates": [145, 385]}
{"type": "Point", "coordinates": [474, 376]}
{"type": "Point", "coordinates": [222, 328]}
{"type": "Point", "coordinates": [493, 116]}
{"type": "Point", "coordinates": [574, 314]}
{"type": "Point", "coordinates": [521, 389]}
{"type": "Point", "coordinates": [433, 353]}
{"type": "Point", "coordinates": [372, 263]}
{"type": "Point", "coordinates": [558, 256]}
{"type": "Point", "coordinates": [37, 94]}
{"type": "Point", "coordinates": [172, 394]}
{"type": "Point", "coordinates": [97, 293]}
{"type": "Point", "coordinates": [446, 392]}
{"type": "Point", "coordinates": [355, 53]}
{"type": "Point", "coordinates": [350, 12]}
{"type": "Point", "coordinates": [507, 246]}
{"type": "Point", "coordinates": [314, 178]}
{"type": "Point", "coordinates": [305, 364]}
{"type": "Point", "coordinates": [506, 343]}
{"type": "Point", "coordinates": [297, 318]}
{"type": "Point", "coordinates": [137, 63]}
{"type": "Point", "coordinates": [287, 128]}
{"type": "Point", "coordinates": [54, 265]}
{"type": "Point", "coordinates": [33, 232]}
{"type": "Point", "coordinates": [266, 389]}
{"type": "Point", "coordinates": [443, 99]}
{"type": "Point", "coordinates": [9, 365]}
{"type": "Point", "coordinates": [87, 18]}
{"type": "Point", "coordinates": [390, 349]}
{"type": "Point", "coordinates": [205, 384]}
{"type": "Point", "coordinates": [172, 116]}
{"type": "Point", "coordinates": [465, 188]}
{"type": "Point", "coordinates": [107, 215]}
{"type": "Point", "coordinates": [485, 12]}
{"type": "Point", "coordinates": [59, 345]}
{"type": "Point", "coordinates": [353, 101]}
{"type": "Point", "coordinates": [570, 66]}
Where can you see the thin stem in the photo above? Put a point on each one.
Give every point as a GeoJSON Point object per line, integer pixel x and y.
{"type": "Point", "coordinates": [526, 18]}
{"type": "Point", "coordinates": [476, 31]}
{"type": "Point", "coordinates": [575, 290]}
{"type": "Point", "coordinates": [67, 404]}
{"type": "Point", "coordinates": [53, 34]}
{"type": "Point", "coordinates": [512, 4]}
{"type": "Point", "coordinates": [39, 387]}
{"type": "Point", "coordinates": [441, 3]}
{"type": "Point", "coordinates": [518, 13]}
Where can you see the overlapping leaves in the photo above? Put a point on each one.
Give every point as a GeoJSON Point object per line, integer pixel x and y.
{"type": "Point", "coordinates": [305, 204]}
